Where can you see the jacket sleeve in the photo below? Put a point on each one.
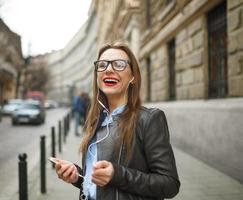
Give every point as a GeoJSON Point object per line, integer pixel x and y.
{"type": "Point", "coordinates": [161, 180]}
{"type": "Point", "coordinates": [80, 180]}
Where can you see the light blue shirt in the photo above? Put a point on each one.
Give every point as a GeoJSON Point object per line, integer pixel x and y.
{"type": "Point", "coordinates": [89, 188]}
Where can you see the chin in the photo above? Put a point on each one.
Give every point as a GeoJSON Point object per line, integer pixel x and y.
{"type": "Point", "coordinates": [111, 91]}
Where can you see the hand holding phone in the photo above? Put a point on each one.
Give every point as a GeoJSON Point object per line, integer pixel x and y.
{"type": "Point", "coordinates": [53, 160]}
{"type": "Point", "coordinates": [64, 162]}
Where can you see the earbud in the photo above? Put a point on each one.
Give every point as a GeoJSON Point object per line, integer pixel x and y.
{"type": "Point", "coordinates": [131, 80]}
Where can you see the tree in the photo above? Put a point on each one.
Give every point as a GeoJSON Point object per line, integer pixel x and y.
{"type": "Point", "coordinates": [36, 75]}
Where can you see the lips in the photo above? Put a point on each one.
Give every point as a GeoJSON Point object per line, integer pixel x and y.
{"type": "Point", "coordinates": [110, 81]}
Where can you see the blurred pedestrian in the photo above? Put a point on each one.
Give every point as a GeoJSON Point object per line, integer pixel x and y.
{"type": "Point", "coordinates": [86, 99]}
{"type": "Point", "coordinates": [78, 111]}
{"type": "Point", "coordinates": [126, 152]}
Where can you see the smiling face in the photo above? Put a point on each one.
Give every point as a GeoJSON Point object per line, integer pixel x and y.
{"type": "Point", "coordinates": [114, 84]}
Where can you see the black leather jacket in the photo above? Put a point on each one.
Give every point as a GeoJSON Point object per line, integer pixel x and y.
{"type": "Point", "coordinates": [150, 173]}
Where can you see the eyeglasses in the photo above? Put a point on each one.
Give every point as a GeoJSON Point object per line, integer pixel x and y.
{"type": "Point", "coordinates": [117, 65]}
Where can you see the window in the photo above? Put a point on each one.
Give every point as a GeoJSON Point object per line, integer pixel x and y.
{"type": "Point", "coordinates": [148, 13]}
{"type": "Point", "coordinates": [171, 65]}
{"type": "Point", "coordinates": [1, 94]}
{"type": "Point", "coordinates": [217, 49]}
{"type": "Point", "coordinates": [148, 69]}
{"type": "Point", "coordinates": [167, 2]}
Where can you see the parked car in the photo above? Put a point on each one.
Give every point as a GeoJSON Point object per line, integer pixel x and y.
{"type": "Point", "coordinates": [0, 113]}
{"type": "Point", "coordinates": [30, 111]}
{"type": "Point", "coordinates": [12, 105]}
{"type": "Point", "coordinates": [50, 104]}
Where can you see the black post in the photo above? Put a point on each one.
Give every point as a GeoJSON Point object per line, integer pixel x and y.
{"type": "Point", "coordinates": [64, 130]}
{"type": "Point", "coordinates": [68, 122]}
{"type": "Point", "coordinates": [53, 144]}
{"type": "Point", "coordinates": [69, 118]}
{"type": "Point", "coordinates": [60, 136]}
{"type": "Point", "coordinates": [23, 179]}
{"type": "Point", "coordinates": [43, 164]}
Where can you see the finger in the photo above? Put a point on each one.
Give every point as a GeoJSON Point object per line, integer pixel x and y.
{"type": "Point", "coordinates": [68, 171]}
{"type": "Point", "coordinates": [100, 164]}
{"type": "Point", "coordinates": [100, 173]}
{"type": "Point", "coordinates": [101, 178]}
{"type": "Point", "coordinates": [61, 171]}
{"type": "Point", "coordinates": [75, 176]}
{"type": "Point", "coordinates": [108, 171]}
{"type": "Point", "coordinates": [60, 161]}
{"type": "Point", "coordinates": [98, 182]}
{"type": "Point", "coordinates": [104, 177]}
{"type": "Point", "coordinates": [57, 166]}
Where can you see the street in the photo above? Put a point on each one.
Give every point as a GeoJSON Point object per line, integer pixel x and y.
{"type": "Point", "coordinates": [198, 180]}
{"type": "Point", "coordinates": [22, 139]}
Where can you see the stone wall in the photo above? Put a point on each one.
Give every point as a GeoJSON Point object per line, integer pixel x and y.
{"type": "Point", "coordinates": [209, 130]}
{"type": "Point", "coordinates": [190, 63]}
{"type": "Point", "coordinates": [191, 44]}
{"type": "Point", "coordinates": [159, 74]}
{"type": "Point", "coordinates": [235, 47]}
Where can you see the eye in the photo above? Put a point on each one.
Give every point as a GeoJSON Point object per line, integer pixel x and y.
{"type": "Point", "coordinates": [119, 64]}
{"type": "Point", "coordinates": [101, 64]}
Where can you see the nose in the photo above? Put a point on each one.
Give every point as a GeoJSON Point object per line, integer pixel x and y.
{"type": "Point", "coordinates": [109, 67]}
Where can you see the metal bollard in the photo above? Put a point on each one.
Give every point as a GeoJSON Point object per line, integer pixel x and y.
{"type": "Point", "coordinates": [68, 122]}
{"type": "Point", "coordinates": [69, 119]}
{"type": "Point", "coordinates": [53, 144]}
{"type": "Point", "coordinates": [64, 130]}
{"type": "Point", "coordinates": [66, 126]}
{"type": "Point", "coordinates": [23, 179]}
{"type": "Point", "coordinates": [60, 136]}
{"type": "Point", "coordinates": [43, 164]}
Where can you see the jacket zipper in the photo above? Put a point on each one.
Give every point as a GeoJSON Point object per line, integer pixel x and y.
{"type": "Point", "coordinates": [119, 159]}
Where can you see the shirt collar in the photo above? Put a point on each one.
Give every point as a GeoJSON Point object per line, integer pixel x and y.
{"type": "Point", "coordinates": [109, 118]}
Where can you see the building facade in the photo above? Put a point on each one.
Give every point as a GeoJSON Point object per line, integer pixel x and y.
{"type": "Point", "coordinates": [190, 54]}
{"type": "Point", "coordinates": [11, 62]}
{"type": "Point", "coordinates": [191, 48]}
{"type": "Point", "coordinates": [194, 50]}
{"type": "Point", "coordinates": [71, 68]}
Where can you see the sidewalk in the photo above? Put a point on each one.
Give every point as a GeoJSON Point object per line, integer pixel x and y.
{"type": "Point", "coordinates": [198, 180]}
{"type": "Point", "coordinates": [56, 189]}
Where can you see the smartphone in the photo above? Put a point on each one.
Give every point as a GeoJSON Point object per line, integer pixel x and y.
{"type": "Point", "coordinates": [53, 160]}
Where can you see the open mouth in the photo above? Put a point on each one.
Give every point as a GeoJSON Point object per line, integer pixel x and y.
{"type": "Point", "coordinates": [110, 81]}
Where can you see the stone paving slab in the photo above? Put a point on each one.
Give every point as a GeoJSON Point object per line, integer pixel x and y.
{"type": "Point", "coordinates": [199, 181]}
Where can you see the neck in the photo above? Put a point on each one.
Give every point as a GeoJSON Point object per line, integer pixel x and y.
{"type": "Point", "coordinates": [115, 102]}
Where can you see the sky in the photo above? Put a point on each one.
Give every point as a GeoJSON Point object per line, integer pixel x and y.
{"type": "Point", "coordinates": [44, 25]}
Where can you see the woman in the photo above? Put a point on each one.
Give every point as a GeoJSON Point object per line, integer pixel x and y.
{"type": "Point", "coordinates": [126, 149]}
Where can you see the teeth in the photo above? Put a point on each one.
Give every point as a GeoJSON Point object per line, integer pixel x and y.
{"type": "Point", "coordinates": [110, 80]}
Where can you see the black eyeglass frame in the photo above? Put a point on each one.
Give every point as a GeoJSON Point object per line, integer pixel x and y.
{"type": "Point", "coordinates": [111, 62]}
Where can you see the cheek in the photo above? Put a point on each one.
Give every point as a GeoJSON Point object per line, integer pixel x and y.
{"type": "Point", "coordinates": [127, 77]}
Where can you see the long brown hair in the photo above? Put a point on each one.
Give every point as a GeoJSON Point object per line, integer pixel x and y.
{"type": "Point", "coordinates": [129, 116]}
